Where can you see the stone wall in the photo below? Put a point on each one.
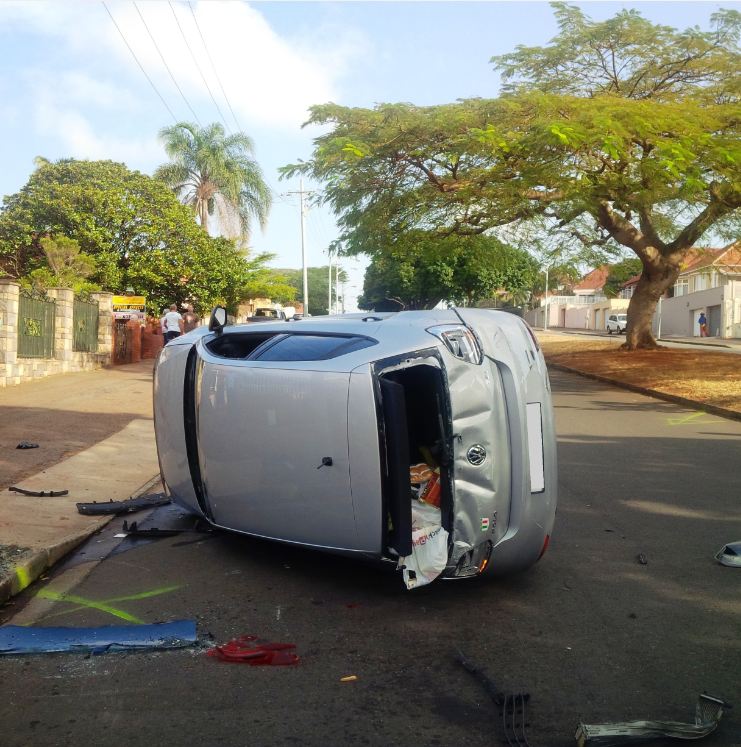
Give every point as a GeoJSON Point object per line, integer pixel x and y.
{"type": "Point", "coordinates": [16, 370]}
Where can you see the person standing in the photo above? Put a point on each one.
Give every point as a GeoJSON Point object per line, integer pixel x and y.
{"type": "Point", "coordinates": [703, 322]}
{"type": "Point", "coordinates": [173, 324]}
{"type": "Point", "coordinates": [190, 319]}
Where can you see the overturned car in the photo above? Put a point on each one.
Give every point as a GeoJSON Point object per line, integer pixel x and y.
{"type": "Point", "coordinates": [424, 438]}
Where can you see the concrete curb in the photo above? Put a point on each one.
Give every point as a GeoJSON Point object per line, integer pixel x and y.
{"type": "Point", "coordinates": [694, 404]}
{"type": "Point", "coordinates": [24, 574]}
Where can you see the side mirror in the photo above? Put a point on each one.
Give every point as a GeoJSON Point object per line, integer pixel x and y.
{"type": "Point", "coordinates": [218, 320]}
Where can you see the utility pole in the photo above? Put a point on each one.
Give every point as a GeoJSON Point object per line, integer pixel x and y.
{"type": "Point", "coordinates": [329, 283]}
{"type": "Point", "coordinates": [337, 287]}
{"type": "Point", "coordinates": [302, 206]}
{"type": "Point", "coordinates": [303, 248]}
{"type": "Point", "coordinates": [547, 268]}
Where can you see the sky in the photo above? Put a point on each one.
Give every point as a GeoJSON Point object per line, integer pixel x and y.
{"type": "Point", "coordinates": [70, 87]}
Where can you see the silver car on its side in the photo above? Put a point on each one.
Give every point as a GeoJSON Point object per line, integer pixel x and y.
{"type": "Point", "coordinates": [305, 433]}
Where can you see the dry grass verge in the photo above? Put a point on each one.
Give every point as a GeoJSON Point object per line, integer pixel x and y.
{"type": "Point", "coordinates": [711, 378]}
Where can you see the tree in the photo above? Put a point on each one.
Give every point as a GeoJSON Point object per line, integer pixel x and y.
{"type": "Point", "coordinates": [619, 273]}
{"type": "Point", "coordinates": [67, 266]}
{"type": "Point", "coordinates": [215, 173]}
{"type": "Point", "coordinates": [643, 153]}
{"type": "Point", "coordinates": [131, 226]}
{"type": "Point", "coordinates": [418, 270]}
{"type": "Point", "coordinates": [318, 281]}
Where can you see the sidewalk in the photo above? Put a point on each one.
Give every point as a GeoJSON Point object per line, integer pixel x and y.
{"type": "Point", "coordinates": [104, 420]}
{"type": "Point", "coordinates": [731, 343]}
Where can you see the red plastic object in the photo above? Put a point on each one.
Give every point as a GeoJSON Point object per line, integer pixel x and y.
{"type": "Point", "coordinates": [243, 650]}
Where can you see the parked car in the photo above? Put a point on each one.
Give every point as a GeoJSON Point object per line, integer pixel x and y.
{"type": "Point", "coordinates": [421, 438]}
{"type": "Point", "coordinates": [616, 323]}
{"type": "Point", "coordinates": [267, 314]}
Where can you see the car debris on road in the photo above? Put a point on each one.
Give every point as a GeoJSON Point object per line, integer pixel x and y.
{"type": "Point", "coordinates": [512, 707]}
{"type": "Point", "coordinates": [100, 508]}
{"type": "Point", "coordinates": [39, 493]}
{"type": "Point", "coordinates": [708, 713]}
{"type": "Point", "coordinates": [730, 555]}
{"type": "Point", "coordinates": [20, 639]}
{"type": "Point", "coordinates": [247, 650]}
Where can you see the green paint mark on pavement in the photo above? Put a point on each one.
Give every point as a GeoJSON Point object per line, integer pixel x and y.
{"type": "Point", "coordinates": [103, 605]}
{"type": "Point", "coordinates": [91, 603]}
{"type": "Point", "coordinates": [685, 419]}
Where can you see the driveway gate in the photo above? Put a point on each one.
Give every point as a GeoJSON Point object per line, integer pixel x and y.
{"type": "Point", "coordinates": [85, 326]}
{"type": "Point", "coordinates": [35, 325]}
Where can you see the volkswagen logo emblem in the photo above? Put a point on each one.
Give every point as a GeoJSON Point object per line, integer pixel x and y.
{"type": "Point", "coordinates": [476, 455]}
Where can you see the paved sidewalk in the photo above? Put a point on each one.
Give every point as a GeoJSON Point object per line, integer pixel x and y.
{"type": "Point", "coordinates": [98, 408]}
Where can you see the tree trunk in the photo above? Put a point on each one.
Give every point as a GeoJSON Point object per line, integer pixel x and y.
{"type": "Point", "coordinates": [659, 274]}
{"type": "Point", "coordinates": [203, 214]}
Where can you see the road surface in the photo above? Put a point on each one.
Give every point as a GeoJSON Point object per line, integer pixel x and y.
{"type": "Point", "coordinates": [591, 633]}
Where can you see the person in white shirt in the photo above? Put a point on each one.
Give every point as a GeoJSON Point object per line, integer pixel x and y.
{"type": "Point", "coordinates": [173, 324]}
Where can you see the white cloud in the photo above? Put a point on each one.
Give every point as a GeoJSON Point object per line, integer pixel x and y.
{"type": "Point", "coordinates": [80, 139]}
{"type": "Point", "coordinates": [270, 81]}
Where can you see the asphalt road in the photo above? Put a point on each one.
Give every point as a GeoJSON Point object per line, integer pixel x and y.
{"type": "Point", "coordinates": [590, 632]}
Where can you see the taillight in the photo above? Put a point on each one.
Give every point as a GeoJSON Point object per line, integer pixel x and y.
{"type": "Point", "coordinates": [545, 546]}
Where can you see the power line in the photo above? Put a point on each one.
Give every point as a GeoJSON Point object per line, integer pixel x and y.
{"type": "Point", "coordinates": [213, 67]}
{"type": "Point", "coordinates": [136, 59]}
{"type": "Point", "coordinates": [164, 62]}
{"type": "Point", "coordinates": [203, 77]}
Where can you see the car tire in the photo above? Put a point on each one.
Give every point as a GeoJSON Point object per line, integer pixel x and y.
{"type": "Point", "coordinates": [609, 330]}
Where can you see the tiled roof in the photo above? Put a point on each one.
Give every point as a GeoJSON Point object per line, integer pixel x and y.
{"type": "Point", "coordinates": [594, 280]}
{"type": "Point", "coordinates": [699, 258]}
{"type": "Point", "coordinates": [631, 281]}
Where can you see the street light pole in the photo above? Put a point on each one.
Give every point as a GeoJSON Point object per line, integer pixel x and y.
{"type": "Point", "coordinates": [303, 248]}
{"type": "Point", "coordinates": [329, 283]}
{"type": "Point", "coordinates": [547, 268]}
{"type": "Point", "coordinates": [337, 286]}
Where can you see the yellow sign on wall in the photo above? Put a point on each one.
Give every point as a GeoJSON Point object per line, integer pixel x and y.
{"type": "Point", "coordinates": [133, 303]}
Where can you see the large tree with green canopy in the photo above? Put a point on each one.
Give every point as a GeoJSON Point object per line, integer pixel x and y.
{"type": "Point", "coordinates": [617, 135]}
{"type": "Point", "coordinates": [318, 279]}
{"type": "Point", "coordinates": [420, 269]}
{"type": "Point", "coordinates": [215, 173]}
{"type": "Point", "coordinates": [132, 228]}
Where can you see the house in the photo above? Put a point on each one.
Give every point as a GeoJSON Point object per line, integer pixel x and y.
{"type": "Point", "coordinates": [589, 288]}
{"type": "Point", "coordinates": [710, 282]}
{"type": "Point", "coordinates": [586, 308]}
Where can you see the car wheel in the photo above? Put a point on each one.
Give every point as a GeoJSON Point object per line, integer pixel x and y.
{"type": "Point", "coordinates": [609, 330]}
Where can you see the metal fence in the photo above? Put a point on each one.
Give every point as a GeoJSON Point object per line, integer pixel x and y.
{"type": "Point", "coordinates": [35, 325]}
{"type": "Point", "coordinates": [85, 326]}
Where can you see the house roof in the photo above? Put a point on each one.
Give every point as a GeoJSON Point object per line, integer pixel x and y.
{"type": "Point", "coordinates": [594, 280]}
{"type": "Point", "coordinates": [631, 281]}
{"type": "Point", "coordinates": [698, 258]}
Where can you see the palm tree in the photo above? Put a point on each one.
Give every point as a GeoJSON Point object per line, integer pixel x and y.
{"type": "Point", "coordinates": [215, 173]}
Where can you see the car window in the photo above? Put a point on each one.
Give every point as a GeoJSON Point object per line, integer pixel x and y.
{"type": "Point", "coordinates": [310, 347]}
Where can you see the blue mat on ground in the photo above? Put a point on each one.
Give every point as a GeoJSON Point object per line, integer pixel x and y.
{"type": "Point", "coordinates": [18, 639]}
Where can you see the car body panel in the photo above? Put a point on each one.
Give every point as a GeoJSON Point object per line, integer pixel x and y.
{"type": "Point", "coordinates": [509, 346]}
{"type": "Point", "coordinates": [263, 434]}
